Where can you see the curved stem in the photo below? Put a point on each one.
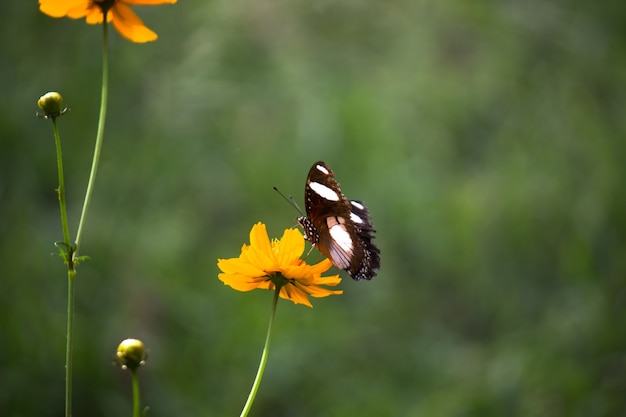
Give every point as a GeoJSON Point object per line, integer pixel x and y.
{"type": "Point", "coordinates": [99, 134]}
{"type": "Point", "coordinates": [72, 252]}
{"type": "Point", "coordinates": [266, 349]}
{"type": "Point", "coordinates": [136, 398]}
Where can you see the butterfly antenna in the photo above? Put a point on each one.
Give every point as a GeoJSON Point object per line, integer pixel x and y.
{"type": "Point", "coordinates": [307, 254]}
{"type": "Point", "coordinates": [290, 200]}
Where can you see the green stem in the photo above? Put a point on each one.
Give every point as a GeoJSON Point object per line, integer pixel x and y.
{"type": "Point", "coordinates": [136, 399]}
{"type": "Point", "coordinates": [266, 349]}
{"type": "Point", "coordinates": [61, 189]}
{"type": "Point", "coordinates": [71, 275]}
{"type": "Point", "coordinates": [67, 252]}
{"type": "Point", "coordinates": [99, 134]}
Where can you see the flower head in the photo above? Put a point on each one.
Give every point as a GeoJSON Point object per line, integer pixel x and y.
{"type": "Point", "coordinates": [130, 354]}
{"type": "Point", "coordinates": [52, 105]}
{"type": "Point", "coordinates": [265, 264]}
{"type": "Point", "coordinates": [127, 23]}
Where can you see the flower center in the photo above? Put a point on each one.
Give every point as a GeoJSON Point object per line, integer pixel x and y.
{"type": "Point", "coordinates": [279, 280]}
{"type": "Point", "coordinates": [104, 5]}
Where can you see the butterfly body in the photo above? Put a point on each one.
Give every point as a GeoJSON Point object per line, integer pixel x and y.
{"type": "Point", "coordinates": [340, 228]}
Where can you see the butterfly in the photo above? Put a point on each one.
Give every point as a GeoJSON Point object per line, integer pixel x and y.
{"type": "Point", "coordinates": [340, 228]}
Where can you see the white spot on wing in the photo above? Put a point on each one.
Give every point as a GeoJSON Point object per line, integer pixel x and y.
{"type": "Point", "coordinates": [322, 168]}
{"type": "Point", "coordinates": [357, 205]}
{"type": "Point", "coordinates": [323, 191]}
{"type": "Point", "coordinates": [341, 236]}
{"type": "Point", "coordinates": [355, 218]}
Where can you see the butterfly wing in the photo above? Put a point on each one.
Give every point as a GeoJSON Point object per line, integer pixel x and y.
{"type": "Point", "coordinates": [368, 260]}
{"type": "Point", "coordinates": [340, 229]}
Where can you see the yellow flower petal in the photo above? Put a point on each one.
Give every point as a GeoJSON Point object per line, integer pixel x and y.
{"type": "Point", "coordinates": [57, 8]}
{"type": "Point", "coordinates": [129, 25]}
{"type": "Point", "coordinates": [260, 250]}
{"type": "Point", "coordinates": [290, 292]}
{"type": "Point", "coordinates": [262, 260]}
{"type": "Point", "coordinates": [94, 16]}
{"type": "Point", "coordinates": [290, 247]}
{"type": "Point", "coordinates": [83, 10]}
{"type": "Point", "coordinates": [331, 281]}
{"type": "Point", "coordinates": [317, 291]}
{"type": "Point", "coordinates": [242, 282]}
{"type": "Point", "coordinates": [322, 266]}
{"type": "Point", "coordinates": [234, 266]}
{"type": "Point", "coordinates": [301, 273]}
{"type": "Point", "coordinates": [148, 2]}
{"type": "Point", "coordinates": [259, 238]}
{"type": "Point", "coordinates": [266, 285]}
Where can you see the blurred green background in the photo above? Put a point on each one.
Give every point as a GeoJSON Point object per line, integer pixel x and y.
{"type": "Point", "coordinates": [487, 139]}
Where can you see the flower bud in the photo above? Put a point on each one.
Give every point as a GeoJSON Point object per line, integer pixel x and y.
{"type": "Point", "coordinates": [130, 354]}
{"type": "Point", "coordinates": [52, 104]}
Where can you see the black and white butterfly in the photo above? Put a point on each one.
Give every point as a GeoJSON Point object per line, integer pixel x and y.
{"type": "Point", "coordinates": [340, 228]}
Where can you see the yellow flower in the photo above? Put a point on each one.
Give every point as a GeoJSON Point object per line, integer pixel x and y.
{"type": "Point", "coordinates": [264, 264]}
{"type": "Point", "coordinates": [127, 23]}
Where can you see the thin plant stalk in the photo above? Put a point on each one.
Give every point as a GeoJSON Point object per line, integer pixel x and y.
{"type": "Point", "coordinates": [100, 131]}
{"type": "Point", "coordinates": [61, 189]}
{"type": "Point", "coordinates": [136, 398]}
{"type": "Point", "coordinates": [71, 275]}
{"type": "Point", "coordinates": [72, 252]}
{"type": "Point", "coordinates": [264, 355]}
{"type": "Point", "coordinates": [67, 252]}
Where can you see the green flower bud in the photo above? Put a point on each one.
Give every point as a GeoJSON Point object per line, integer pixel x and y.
{"type": "Point", "coordinates": [52, 105]}
{"type": "Point", "coordinates": [130, 354]}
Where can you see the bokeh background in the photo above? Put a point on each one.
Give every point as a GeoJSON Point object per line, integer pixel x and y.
{"type": "Point", "coordinates": [487, 139]}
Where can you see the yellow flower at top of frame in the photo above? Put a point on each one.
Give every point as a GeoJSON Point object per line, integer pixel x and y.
{"type": "Point", "coordinates": [127, 23]}
{"type": "Point", "coordinates": [264, 264]}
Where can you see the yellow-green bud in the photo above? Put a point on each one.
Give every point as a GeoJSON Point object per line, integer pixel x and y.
{"type": "Point", "coordinates": [130, 354]}
{"type": "Point", "coordinates": [52, 104]}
